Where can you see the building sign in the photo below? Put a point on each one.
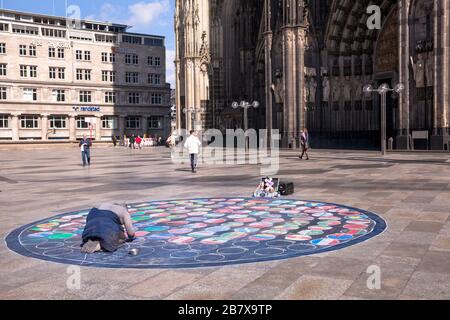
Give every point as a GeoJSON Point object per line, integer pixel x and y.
{"type": "Point", "coordinates": [59, 45]}
{"type": "Point", "coordinates": [36, 43]}
{"type": "Point", "coordinates": [87, 109]}
{"type": "Point", "coordinates": [122, 50]}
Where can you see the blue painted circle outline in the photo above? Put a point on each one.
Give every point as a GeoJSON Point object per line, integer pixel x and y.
{"type": "Point", "coordinates": [13, 243]}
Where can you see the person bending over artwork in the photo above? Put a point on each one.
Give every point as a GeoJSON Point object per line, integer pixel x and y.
{"type": "Point", "coordinates": [104, 228]}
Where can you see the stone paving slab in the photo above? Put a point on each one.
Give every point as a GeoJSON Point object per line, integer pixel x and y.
{"type": "Point", "coordinates": [410, 191]}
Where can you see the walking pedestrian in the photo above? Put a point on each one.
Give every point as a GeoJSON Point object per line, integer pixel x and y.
{"type": "Point", "coordinates": [193, 145]}
{"type": "Point", "coordinates": [132, 141]}
{"type": "Point", "coordinates": [138, 142]}
{"type": "Point", "coordinates": [114, 141]}
{"type": "Point", "coordinates": [85, 147]}
{"type": "Point", "coordinates": [304, 142]}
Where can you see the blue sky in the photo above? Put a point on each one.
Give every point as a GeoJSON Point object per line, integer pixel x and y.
{"type": "Point", "coordinates": [146, 16]}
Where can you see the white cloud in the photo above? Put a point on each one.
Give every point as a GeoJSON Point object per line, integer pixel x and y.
{"type": "Point", "coordinates": [147, 13]}
{"type": "Point", "coordinates": [139, 15]}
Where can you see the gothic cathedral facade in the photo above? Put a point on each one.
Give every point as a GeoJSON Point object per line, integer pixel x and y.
{"type": "Point", "coordinates": [307, 62]}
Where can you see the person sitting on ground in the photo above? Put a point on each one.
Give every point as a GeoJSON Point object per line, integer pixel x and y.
{"type": "Point", "coordinates": [104, 228]}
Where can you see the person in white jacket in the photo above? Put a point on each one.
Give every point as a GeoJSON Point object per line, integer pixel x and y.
{"type": "Point", "coordinates": [193, 146]}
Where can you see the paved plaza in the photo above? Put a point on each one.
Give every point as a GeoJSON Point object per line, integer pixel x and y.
{"type": "Point", "coordinates": [410, 191]}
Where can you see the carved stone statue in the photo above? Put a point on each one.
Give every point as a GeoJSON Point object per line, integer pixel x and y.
{"type": "Point", "coordinates": [336, 93]}
{"type": "Point", "coordinates": [419, 71]}
{"type": "Point", "coordinates": [326, 89]}
{"type": "Point", "coordinates": [347, 91]}
{"type": "Point", "coordinates": [278, 90]}
{"type": "Point", "coordinates": [312, 88]}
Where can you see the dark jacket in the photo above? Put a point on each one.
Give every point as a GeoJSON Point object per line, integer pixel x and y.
{"type": "Point", "coordinates": [87, 142]}
{"type": "Point", "coordinates": [104, 226]}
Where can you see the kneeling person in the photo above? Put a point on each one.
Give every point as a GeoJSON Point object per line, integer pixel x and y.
{"type": "Point", "coordinates": [104, 228]}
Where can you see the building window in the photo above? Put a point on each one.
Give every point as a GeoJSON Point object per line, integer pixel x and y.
{"type": "Point", "coordinates": [132, 77]}
{"type": "Point", "coordinates": [79, 55]}
{"type": "Point", "coordinates": [150, 61]}
{"type": "Point", "coordinates": [112, 57]}
{"type": "Point", "coordinates": [81, 123]}
{"type": "Point", "coordinates": [22, 50]}
{"type": "Point", "coordinates": [57, 122]}
{"type": "Point", "coordinates": [26, 71]}
{"type": "Point", "coordinates": [29, 122]}
{"type": "Point", "coordinates": [83, 74]}
{"type": "Point", "coordinates": [132, 59]}
{"type": "Point", "coordinates": [33, 71]}
{"type": "Point", "coordinates": [134, 97]}
{"type": "Point", "coordinates": [4, 121]}
{"type": "Point", "coordinates": [87, 75]}
{"type": "Point", "coordinates": [131, 39]}
{"type": "Point", "coordinates": [104, 57]}
{"type": "Point", "coordinates": [55, 33]}
{"type": "Point", "coordinates": [156, 98]}
{"type": "Point", "coordinates": [58, 95]}
{"type": "Point", "coordinates": [23, 71]}
{"type": "Point", "coordinates": [105, 38]}
{"type": "Point", "coordinates": [52, 73]}
{"type": "Point", "coordinates": [57, 72]}
{"type": "Point", "coordinates": [85, 96]}
{"type": "Point", "coordinates": [4, 27]}
{"type": "Point", "coordinates": [3, 93]}
{"type": "Point", "coordinates": [25, 29]}
{"type": "Point", "coordinates": [2, 69]}
{"type": "Point", "coordinates": [61, 53]}
{"type": "Point", "coordinates": [108, 75]}
{"type": "Point", "coordinates": [154, 78]}
{"type": "Point", "coordinates": [29, 94]}
{"type": "Point", "coordinates": [133, 122]}
{"type": "Point", "coordinates": [51, 53]}
{"type": "Point", "coordinates": [61, 73]}
{"type": "Point", "coordinates": [153, 42]}
{"type": "Point", "coordinates": [109, 123]}
{"type": "Point", "coordinates": [87, 56]}
{"type": "Point", "coordinates": [155, 122]}
{"type": "Point", "coordinates": [2, 48]}
{"type": "Point", "coordinates": [110, 97]}
{"type": "Point", "coordinates": [32, 51]}
{"type": "Point", "coordinates": [157, 61]}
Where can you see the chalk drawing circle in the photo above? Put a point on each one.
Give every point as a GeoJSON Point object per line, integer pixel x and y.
{"type": "Point", "coordinates": [195, 233]}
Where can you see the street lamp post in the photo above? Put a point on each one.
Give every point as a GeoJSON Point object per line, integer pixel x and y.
{"type": "Point", "coordinates": [382, 91]}
{"type": "Point", "coordinates": [193, 112]}
{"type": "Point", "coordinates": [245, 105]}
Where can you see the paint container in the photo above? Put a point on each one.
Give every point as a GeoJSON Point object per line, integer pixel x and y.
{"type": "Point", "coordinates": [133, 252]}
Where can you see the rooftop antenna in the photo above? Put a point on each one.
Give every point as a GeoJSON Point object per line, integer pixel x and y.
{"type": "Point", "coordinates": [53, 7]}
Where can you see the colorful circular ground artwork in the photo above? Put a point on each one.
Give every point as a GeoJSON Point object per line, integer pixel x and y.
{"type": "Point", "coordinates": [206, 232]}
